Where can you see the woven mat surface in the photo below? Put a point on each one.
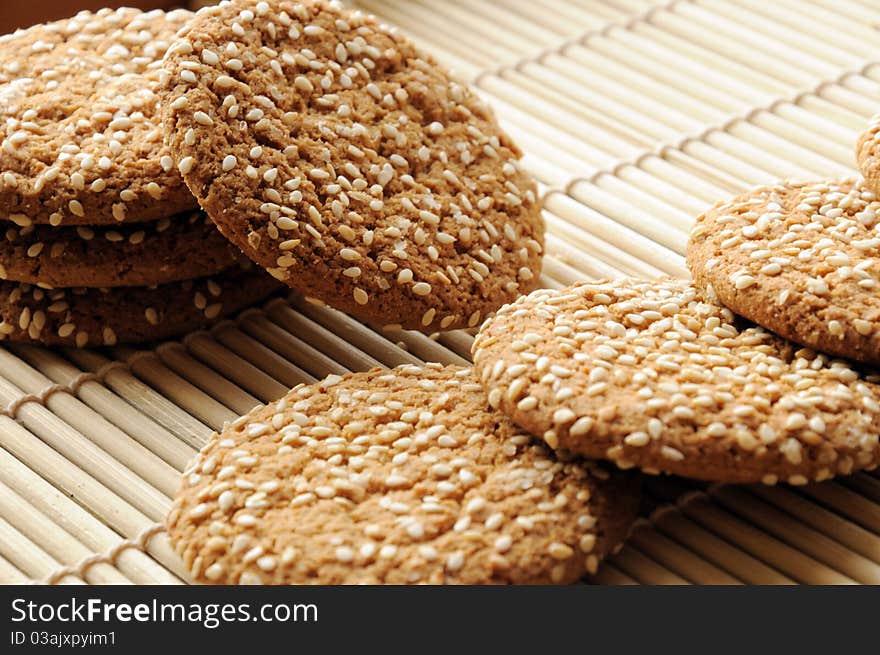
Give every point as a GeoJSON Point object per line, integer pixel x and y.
{"type": "Point", "coordinates": [635, 116]}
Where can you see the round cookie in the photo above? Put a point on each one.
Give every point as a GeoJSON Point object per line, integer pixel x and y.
{"type": "Point", "coordinates": [650, 374]}
{"type": "Point", "coordinates": [392, 476]}
{"type": "Point", "coordinates": [868, 154]}
{"type": "Point", "coordinates": [345, 161]}
{"type": "Point", "coordinates": [105, 317]}
{"type": "Point", "coordinates": [801, 260]}
{"type": "Point", "coordinates": [80, 139]}
{"type": "Point", "coordinates": [182, 247]}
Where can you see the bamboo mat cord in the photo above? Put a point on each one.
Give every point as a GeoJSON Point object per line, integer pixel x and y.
{"type": "Point", "coordinates": [93, 525]}
{"type": "Point", "coordinates": [56, 542]}
{"type": "Point", "coordinates": [145, 370]}
{"type": "Point", "coordinates": [84, 566]}
{"type": "Point", "coordinates": [119, 378]}
{"type": "Point", "coordinates": [29, 557]}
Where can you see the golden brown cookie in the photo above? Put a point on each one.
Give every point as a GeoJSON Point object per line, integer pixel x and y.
{"type": "Point", "coordinates": [182, 247]}
{"type": "Point", "coordinates": [392, 476]}
{"type": "Point", "coordinates": [105, 317]}
{"type": "Point", "coordinates": [80, 141]}
{"type": "Point", "coordinates": [868, 154]}
{"type": "Point", "coordinates": [649, 374]}
{"type": "Point", "coordinates": [799, 258]}
{"type": "Point", "coordinates": [345, 161]}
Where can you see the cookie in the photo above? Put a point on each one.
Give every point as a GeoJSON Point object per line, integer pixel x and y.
{"type": "Point", "coordinates": [649, 374]}
{"type": "Point", "coordinates": [80, 139]}
{"type": "Point", "coordinates": [868, 154]}
{"type": "Point", "coordinates": [144, 254]}
{"type": "Point", "coordinates": [800, 259]}
{"type": "Point", "coordinates": [105, 317]}
{"type": "Point", "coordinates": [346, 162]}
{"type": "Point", "coordinates": [392, 476]}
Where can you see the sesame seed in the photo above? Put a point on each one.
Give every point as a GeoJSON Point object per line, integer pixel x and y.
{"type": "Point", "coordinates": [560, 551]}
{"type": "Point", "coordinates": [185, 165]}
{"type": "Point", "coordinates": [421, 288]}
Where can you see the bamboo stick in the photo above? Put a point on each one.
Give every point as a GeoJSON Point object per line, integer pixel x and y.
{"type": "Point", "coordinates": [151, 369]}
{"type": "Point", "coordinates": [724, 554]}
{"type": "Point", "coordinates": [246, 381]}
{"type": "Point", "coordinates": [356, 333]}
{"type": "Point", "coordinates": [176, 451]}
{"type": "Point", "coordinates": [28, 556]}
{"type": "Point", "coordinates": [847, 502]}
{"type": "Point", "coordinates": [787, 559]}
{"type": "Point", "coordinates": [9, 574]}
{"type": "Point", "coordinates": [314, 363]}
{"type": "Point", "coordinates": [48, 433]}
{"type": "Point", "coordinates": [642, 568]}
{"type": "Point", "coordinates": [828, 523]}
{"type": "Point", "coordinates": [174, 416]}
{"type": "Point", "coordinates": [89, 528]}
{"type": "Point", "coordinates": [260, 355]}
{"type": "Point", "coordinates": [798, 535]}
{"type": "Point", "coordinates": [322, 340]}
{"type": "Point", "coordinates": [63, 413]}
{"type": "Point", "coordinates": [57, 543]}
{"type": "Point", "coordinates": [610, 575]}
{"type": "Point", "coordinates": [688, 565]}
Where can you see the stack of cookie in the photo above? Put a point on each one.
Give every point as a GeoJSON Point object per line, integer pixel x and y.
{"type": "Point", "coordinates": [673, 377]}
{"type": "Point", "coordinates": [103, 241]}
{"type": "Point", "coordinates": [328, 150]}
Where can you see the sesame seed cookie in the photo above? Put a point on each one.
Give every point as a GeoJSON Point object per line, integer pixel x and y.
{"type": "Point", "coordinates": [142, 254]}
{"type": "Point", "coordinates": [80, 140]}
{"type": "Point", "coordinates": [799, 258]}
{"type": "Point", "coordinates": [104, 317]}
{"type": "Point", "coordinates": [393, 476]}
{"type": "Point", "coordinates": [650, 374]}
{"type": "Point", "coordinates": [868, 154]}
{"type": "Point", "coordinates": [347, 163]}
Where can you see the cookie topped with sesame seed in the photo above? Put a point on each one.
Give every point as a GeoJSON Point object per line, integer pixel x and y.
{"type": "Point", "coordinates": [393, 476]}
{"type": "Point", "coordinates": [140, 254]}
{"type": "Point", "coordinates": [799, 258]}
{"type": "Point", "coordinates": [105, 317]}
{"type": "Point", "coordinates": [652, 375]}
{"type": "Point", "coordinates": [868, 154]}
{"type": "Point", "coordinates": [349, 164]}
{"type": "Point", "coordinates": [80, 140]}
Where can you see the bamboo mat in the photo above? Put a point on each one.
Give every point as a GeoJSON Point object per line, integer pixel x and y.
{"type": "Point", "coordinates": [635, 116]}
